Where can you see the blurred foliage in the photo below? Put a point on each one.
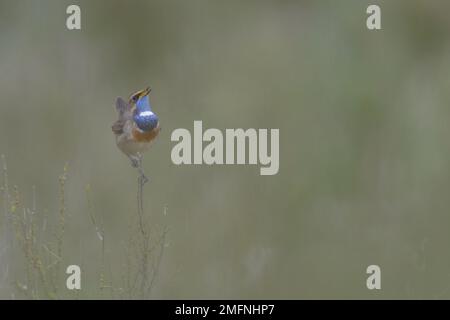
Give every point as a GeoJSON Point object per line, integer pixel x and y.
{"type": "Point", "coordinates": [363, 119]}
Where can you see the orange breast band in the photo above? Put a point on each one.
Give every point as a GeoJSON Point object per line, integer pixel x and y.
{"type": "Point", "coordinates": [141, 136]}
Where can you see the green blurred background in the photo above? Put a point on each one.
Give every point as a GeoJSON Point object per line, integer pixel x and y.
{"type": "Point", "coordinates": [364, 153]}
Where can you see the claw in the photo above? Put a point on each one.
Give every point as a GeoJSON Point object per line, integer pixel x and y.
{"type": "Point", "coordinates": [144, 179]}
{"type": "Point", "coordinates": [136, 162]}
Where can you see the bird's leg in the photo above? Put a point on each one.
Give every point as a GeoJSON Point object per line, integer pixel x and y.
{"type": "Point", "coordinates": [134, 161]}
{"type": "Point", "coordinates": [143, 178]}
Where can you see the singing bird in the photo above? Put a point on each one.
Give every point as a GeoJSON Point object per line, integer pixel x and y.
{"type": "Point", "coordinates": [136, 128]}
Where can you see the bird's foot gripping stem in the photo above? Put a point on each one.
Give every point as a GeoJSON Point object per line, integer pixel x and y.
{"type": "Point", "coordinates": [142, 177]}
{"type": "Point", "coordinates": [136, 162]}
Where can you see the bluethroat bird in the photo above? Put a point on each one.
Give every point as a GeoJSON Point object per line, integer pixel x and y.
{"type": "Point", "coordinates": [136, 127]}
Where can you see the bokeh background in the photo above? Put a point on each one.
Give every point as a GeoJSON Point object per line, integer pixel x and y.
{"type": "Point", "coordinates": [364, 153]}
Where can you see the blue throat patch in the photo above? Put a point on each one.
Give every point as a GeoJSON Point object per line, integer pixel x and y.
{"type": "Point", "coordinates": [143, 104]}
{"type": "Point", "coordinates": [144, 117]}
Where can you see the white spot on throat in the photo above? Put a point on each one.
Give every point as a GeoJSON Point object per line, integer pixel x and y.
{"type": "Point", "coordinates": [146, 113]}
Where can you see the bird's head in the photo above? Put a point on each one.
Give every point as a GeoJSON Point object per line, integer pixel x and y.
{"type": "Point", "coordinates": [134, 98]}
{"type": "Point", "coordinates": [144, 117]}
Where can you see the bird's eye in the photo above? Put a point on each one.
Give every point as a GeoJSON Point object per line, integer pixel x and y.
{"type": "Point", "coordinates": [135, 98]}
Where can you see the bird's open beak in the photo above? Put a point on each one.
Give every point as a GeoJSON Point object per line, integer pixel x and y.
{"type": "Point", "coordinates": [146, 91]}
{"type": "Point", "coordinates": [139, 94]}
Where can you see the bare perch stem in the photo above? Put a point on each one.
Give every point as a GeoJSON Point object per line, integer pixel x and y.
{"type": "Point", "coordinates": [142, 179]}
{"type": "Point", "coordinates": [141, 275]}
{"type": "Point", "coordinates": [140, 200]}
{"type": "Point", "coordinates": [162, 245]}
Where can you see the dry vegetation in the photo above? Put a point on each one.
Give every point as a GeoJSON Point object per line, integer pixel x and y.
{"type": "Point", "coordinates": [35, 243]}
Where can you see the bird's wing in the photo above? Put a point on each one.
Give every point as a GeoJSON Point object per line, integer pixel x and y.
{"type": "Point", "coordinates": [122, 106]}
{"type": "Point", "coordinates": [125, 113]}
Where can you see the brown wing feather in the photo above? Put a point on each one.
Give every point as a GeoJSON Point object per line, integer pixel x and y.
{"type": "Point", "coordinates": [117, 127]}
{"type": "Point", "coordinates": [125, 113]}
